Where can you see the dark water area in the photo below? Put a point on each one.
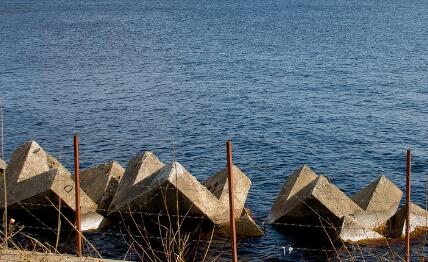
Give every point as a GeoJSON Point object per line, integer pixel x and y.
{"type": "Point", "coordinates": [339, 85]}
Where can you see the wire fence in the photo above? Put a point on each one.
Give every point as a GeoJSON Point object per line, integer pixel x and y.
{"type": "Point", "coordinates": [287, 251]}
{"type": "Point", "coordinates": [121, 229]}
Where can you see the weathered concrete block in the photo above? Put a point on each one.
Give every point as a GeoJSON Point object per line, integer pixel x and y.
{"type": "Point", "coordinates": [93, 221]}
{"type": "Point", "coordinates": [418, 221]}
{"type": "Point", "coordinates": [380, 201]}
{"type": "Point", "coordinates": [162, 187]}
{"type": "Point", "coordinates": [353, 233]}
{"type": "Point", "coordinates": [372, 220]}
{"type": "Point", "coordinates": [218, 185]}
{"type": "Point", "coordinates": [294, 183]}
{"type": "Point", "coordinates": [33, 177]}
{"type": "Point", "coordinates": [3, 165]}
{"type": "Point", "coordinates": [319, 199]}
{"type": "Point", "coordinates": [132, 183]}
{"type": "Point", "coordinates": [100, 183]}
{"type": "Point", "coordinates": [245, 226]}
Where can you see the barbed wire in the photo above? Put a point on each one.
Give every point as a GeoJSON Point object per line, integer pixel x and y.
{"type": "Point", "coordinates": [201, 217]}
{"type": "Point", "coordinates": [149, 184]}
{"type": "Point", "coordinates": [117, 234]}
{"type": "Point", "coordinates": [141, 186]}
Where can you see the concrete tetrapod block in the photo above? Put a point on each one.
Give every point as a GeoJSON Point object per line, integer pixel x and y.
{"type": "Point", "coordinates": [245, 226]}
{"type": "Point", "coordinates": [319, 201]}
{"type": "Point", "coordinates": [294, 183]}
{"type": "Point", "coordinates": [3, 166]}
{"type": "Point", "coordinates": [380, 200]}
{"type": "Point", "coordinates": [165, 188]}
{"type": "Point", "coordinates": [33, 177]}
{"type": "Point", "coordinates": [218, 185]}
{"type": "Point", "coordinates": [93, 221]}
{"type": "Point", "coordinates": [418, 221]}
{"type": "Point", "coordinates": [100, 183]}
{"type": "Point", "coordinates": [351, 232]}
{"type": "Point", "coordinates": [133, 183]}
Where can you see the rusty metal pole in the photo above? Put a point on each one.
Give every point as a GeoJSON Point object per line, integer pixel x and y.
{"type": "Point", "coordinates": [408, 173]}
{"type": "Point", "coordinates": [231, 201]}
{"type": "Point", "coordinates": [77, 195]}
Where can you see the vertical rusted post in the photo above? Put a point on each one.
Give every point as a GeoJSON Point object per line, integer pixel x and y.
{"type": "Point", "coordinates": [408, 173]}
{"type": "Point", "coordinates": [5, 220]}
{"type": "Point", "coordinates": [77, 194]}
{"type": "Point", "coordinates": [231, 201]}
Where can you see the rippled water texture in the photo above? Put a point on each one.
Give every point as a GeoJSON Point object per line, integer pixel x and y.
{"type": "Point", "coordinates": [340, 85]}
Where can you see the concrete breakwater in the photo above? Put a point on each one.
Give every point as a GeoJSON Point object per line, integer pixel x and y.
{"type": "Point", "coordinates": [36, 181]}
{"type": "Point", "coordinates": [369, 216]}
{"type": "Point", "coordinates": [110, 193]}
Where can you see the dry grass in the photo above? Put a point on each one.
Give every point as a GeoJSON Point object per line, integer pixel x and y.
{"type": "Point", "coordinates": [166, 237]}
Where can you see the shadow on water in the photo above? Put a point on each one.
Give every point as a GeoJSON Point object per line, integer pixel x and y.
{"type": "Point", "coordinates": [33, 229]}
{"type": "Point", "coordinates": [318, 244]}
{"type": "Point", "coordinates": [309, 243]}
{"type": "Point", "coordinates": [141, 238]}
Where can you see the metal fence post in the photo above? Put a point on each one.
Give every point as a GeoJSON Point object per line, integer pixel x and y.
{"type": "Point", "coordinates": [77, 195]}
{"type": "Point", "coordinates": [231, 201]}
{"type": "Point", "coordinates": [5, 220]}
{"type": "Point", "coordinates": [408, 174]}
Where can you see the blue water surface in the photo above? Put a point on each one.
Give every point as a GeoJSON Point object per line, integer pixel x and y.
{"type": "Point", "coordinates": [339, 85]}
